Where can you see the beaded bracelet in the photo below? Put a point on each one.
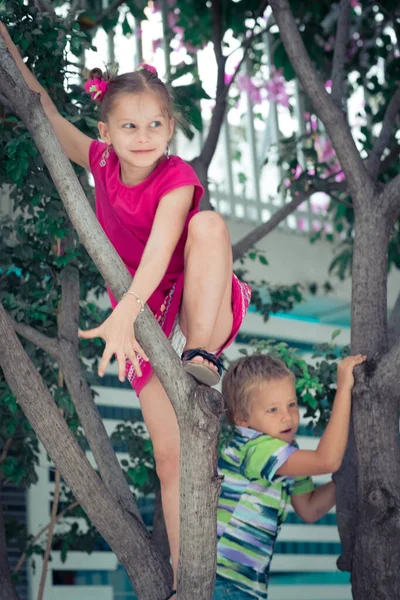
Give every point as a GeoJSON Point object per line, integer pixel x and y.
{"type": "Point", "coordinates": [138, 300]}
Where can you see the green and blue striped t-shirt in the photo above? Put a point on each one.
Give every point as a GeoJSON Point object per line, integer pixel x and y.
{"type": "Point", "coordinates": [252, 507]}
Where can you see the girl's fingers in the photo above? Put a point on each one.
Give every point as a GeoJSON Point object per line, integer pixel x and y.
{"type": "Point", "coordinates": [131, 354]}
{"type": "Point", "coordinates": [89, 334]}
{"type": "Point", "coordinates": [139, 350]}
{"type": "Point", "coordinates": [105, 359]}
{"type": "Point", "coordinates": [121, 366]}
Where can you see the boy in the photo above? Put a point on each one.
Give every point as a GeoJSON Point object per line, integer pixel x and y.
{"type": "Point", "coordinates": [264, 469]}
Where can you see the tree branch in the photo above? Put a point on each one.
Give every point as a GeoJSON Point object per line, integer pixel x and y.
{"type": "Point", "coordinates": [198, 419]}
{"type": "Point", "coordinates": [76, 6]}
{"type": "Point", "coordinates": [123, 532]}
{"type": "Point", "coordinates": [373, 161]}
{"type": "Point", "coordinates": [108, 11]}
{"type": "Point", "coordinates": [4, 452]}
{"type": "Point", "coordinates": [339, 55]}
{"type": "Point", "coordinates": [221, 95]}
{"type": "Point", "coordinates": [262, 230]}
{"type": "Point", "coordinates": [39, 534]}
{"type": "Point", "coordinates": [81, 395]}
{"type": "Point", "coordinates": [360, 183]}
{"type": "Point", "coordinates": [46, 343]}
{"type": "Point", "coordinates": [389, 199]}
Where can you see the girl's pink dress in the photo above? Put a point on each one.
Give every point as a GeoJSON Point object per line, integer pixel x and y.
{"type": "Point", "coordinates": [126, 213]}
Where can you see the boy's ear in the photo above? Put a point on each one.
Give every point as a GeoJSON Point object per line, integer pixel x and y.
{"type": "Point", "coordinates": [103, 130]}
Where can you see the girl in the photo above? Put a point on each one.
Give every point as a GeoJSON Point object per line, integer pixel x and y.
{"type": "Point", "coordinates": [180, 259]}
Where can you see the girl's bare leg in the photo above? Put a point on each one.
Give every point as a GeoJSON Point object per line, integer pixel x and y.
{"type": "Point", "coordinates": [160, 420]}
{"type": "Point", "coordinates": [206, 320]}
{"type": "Point", "coordinates": [206, 312]}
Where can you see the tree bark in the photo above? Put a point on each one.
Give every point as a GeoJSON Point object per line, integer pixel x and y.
{"type": "Point", "coordinates": [197, 408]}
{"type": "Point", "coordinates": [333, 118]}
{"type": "Point", "coordinates": [88, 413]}
{"type": "Point", "coordinates": [159, 531]}
{"type": "Point", "coordinates": [124, 533]}
{"type": "Point", "coordinates": [376, 556]}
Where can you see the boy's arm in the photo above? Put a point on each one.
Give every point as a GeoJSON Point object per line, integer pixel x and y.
{"type": "Point", "coordinates": [312, 506]}
{"type": "Point", "coordinates": [328, 456]}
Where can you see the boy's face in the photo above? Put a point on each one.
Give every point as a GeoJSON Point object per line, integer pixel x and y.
{"type": "Point", "coordinates": [273, 409]}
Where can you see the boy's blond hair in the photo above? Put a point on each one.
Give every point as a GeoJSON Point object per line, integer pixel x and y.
{"type": "Point", "coordinates": [241, 377]}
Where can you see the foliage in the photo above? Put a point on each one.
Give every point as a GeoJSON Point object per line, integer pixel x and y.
{"type": "Point", "coordinates": [315, 377]}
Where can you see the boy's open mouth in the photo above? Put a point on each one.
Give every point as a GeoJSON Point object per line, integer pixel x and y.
{"type": "Point", "coordinates": [287, 430]}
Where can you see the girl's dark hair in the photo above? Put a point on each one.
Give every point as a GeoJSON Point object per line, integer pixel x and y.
{"type": "Point", "coordinates": [135, 82]}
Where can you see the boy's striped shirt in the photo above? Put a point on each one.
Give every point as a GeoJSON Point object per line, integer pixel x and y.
{"type": "Point", "coordinates": [252, 507]}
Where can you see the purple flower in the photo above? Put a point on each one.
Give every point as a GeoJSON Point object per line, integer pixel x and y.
{"type": "Point", "coordinates": [245, 84]}
{"type": "Point", "coordinates": [276, 90]}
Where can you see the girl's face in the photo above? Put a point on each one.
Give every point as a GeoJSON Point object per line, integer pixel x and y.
{"type": "Point", "coordinates": [139, 131]}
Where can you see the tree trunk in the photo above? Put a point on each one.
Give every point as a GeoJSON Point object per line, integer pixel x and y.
{"type": "Point", "coordinates": [7, 590]}
{"type": "Point", "coordinates": [159, 531]}
{"type": "Point", "coordinates": [376, 555]}
{"type": "Point", "coordinates": [197, 408]}
{"type": "Point", "coordinates": [375, 419]}
{"type": "Point", "coordinates": [125, 534]}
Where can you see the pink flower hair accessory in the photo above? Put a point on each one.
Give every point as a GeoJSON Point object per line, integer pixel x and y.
{"type": "Point", "coordinates": [96, 88]}
{"type": "Point", "coordinates": [147, 67]}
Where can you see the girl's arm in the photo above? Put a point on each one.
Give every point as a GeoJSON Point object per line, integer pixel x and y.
{"type": "Point", "coordinates": [167, 228]}
{"type": "Point", "coordinates": [117, 331]}
{"type": "Point", "coordinates": [75, 143]}
{"type": "Point", "coordinates": [312, 506]}
{"type": "Point", "coordinates": [328, 456]}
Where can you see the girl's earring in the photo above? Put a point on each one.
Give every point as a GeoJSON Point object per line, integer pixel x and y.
{"type": "Point", "coordinates": [105, 156]}
{"type": "Point", "coordinates": [168, 151]}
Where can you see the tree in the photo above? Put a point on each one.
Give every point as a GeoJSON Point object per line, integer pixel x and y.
{"type": "Point", "coordinates": [365, 209]}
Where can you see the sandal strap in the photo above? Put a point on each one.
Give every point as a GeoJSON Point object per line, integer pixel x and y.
{"type": "Point", "coordinates": [188, 355]}
{"type": "Point", "coordinates": [173, 593]}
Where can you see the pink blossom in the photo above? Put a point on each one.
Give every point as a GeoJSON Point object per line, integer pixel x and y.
{"type": "Point", "coordinates": [146, 67]}
{"type": "Point", "coordinates": [96, 88]}
{"type": "Point", "coordinates": [228, 78]}
{"type": "Point", "coordinates": [301, 224]}
{"type": "Point", "coordinates": [325, 150]}
{"type": "Point", "coordinates": [276, 90]}
{"type": "Point", "coordinates": [245, 84]}
{"type": "Point", "coordinates": [297, 171]}
{"type": "Point", "coordinates": [329, 44]}
{"type": "Point", "coordinates": [156, 45]}
{"type": "Point", "coordinates": [328, 85]}
{"type": "Point", "coordinates": [355, 4]}
{"type": "Point", "coordinates": [173, 18]}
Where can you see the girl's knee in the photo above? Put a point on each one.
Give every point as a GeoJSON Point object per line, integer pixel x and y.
{"type": "Point", "coordinates": [206, 225]}
{"type": "Point", "coordinates": [167, 464]}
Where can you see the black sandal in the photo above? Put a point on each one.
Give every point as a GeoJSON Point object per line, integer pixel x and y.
{"type": "Point", "coordinates": [173, 593]}
{"type": "Point", "coordinates": [199, 371]}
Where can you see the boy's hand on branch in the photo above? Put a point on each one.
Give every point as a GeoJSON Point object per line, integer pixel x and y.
{"type": "Point", "coordinates": [118, 333]}
{"type": "Point", "coordinates": [345, 376]}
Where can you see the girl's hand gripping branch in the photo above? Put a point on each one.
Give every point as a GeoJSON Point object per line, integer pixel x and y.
{"type": "Point", "coordinates": [118, 333]}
